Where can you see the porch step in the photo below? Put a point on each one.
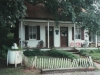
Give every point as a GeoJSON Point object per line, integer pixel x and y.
{"type": "Point", "coordinates": [47, 71]}
{"type": "Point", "coordinates": [73, 51]}
{"type": "Point", "coordinates": [69, 49]}
{"type": "Point", "coordinates": [65, 48]}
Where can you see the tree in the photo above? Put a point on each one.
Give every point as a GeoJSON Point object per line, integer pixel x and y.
{"type": "Point", "coordinates": [82, 12]}
{"type": "Point", "coordinates": [10, 11]}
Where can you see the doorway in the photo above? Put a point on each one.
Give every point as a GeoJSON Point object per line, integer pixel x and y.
{"type": "Point", "coordinates": [51, 36]}
{"type": "Point", "coordinates": [64, 36]}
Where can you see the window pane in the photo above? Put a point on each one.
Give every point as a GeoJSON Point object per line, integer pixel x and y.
{"type": "Point", "coordinates": [78, 32]}
{"type": "Point", "coordinates": [32, 32]}
{"type": "Point", "coordinates": [30, 36]}
{"type": "Point", "coordinates": [30, 28]}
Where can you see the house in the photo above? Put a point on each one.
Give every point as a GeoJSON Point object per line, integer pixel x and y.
{"type": "Point", "coordinates": [39, 25]}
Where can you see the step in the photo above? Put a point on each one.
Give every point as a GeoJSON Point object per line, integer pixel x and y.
{"type": "Point", "coordinates": [44, 71]}
{"type": "Point", "coordinates": [73, 51]}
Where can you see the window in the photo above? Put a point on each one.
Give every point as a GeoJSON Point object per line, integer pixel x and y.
{"type": "Point", "coordinates": [78, 33]}
{"type": "Point", "coordinates": [32, 32]}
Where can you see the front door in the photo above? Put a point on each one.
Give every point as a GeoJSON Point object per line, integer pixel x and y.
{"type": "Point", "coordinates": [51, 30]}
{"type": "Point", "coordinates": [64, 36]}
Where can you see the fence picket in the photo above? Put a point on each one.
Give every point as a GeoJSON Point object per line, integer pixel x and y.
{"type": "Point", "coordinates": [91, 61]}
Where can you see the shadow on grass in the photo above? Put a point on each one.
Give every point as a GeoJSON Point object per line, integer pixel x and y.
{"type": "Point", "coordinates": [19, 70]}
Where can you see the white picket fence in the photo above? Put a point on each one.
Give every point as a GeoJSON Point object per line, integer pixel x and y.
{"type": "Point", "coordinates": [57, 63]}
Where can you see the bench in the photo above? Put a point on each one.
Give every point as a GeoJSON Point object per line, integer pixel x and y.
{"type": "Point", "coordinates": [85, 43]}
{"type": "Point", "coordinates": [98, 45]}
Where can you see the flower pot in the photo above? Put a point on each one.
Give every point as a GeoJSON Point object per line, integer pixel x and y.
{"type": "Point", "coordinates": [14, 57]}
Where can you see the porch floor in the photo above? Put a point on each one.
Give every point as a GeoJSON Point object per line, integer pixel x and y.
{"type": "Point", "coordinates": [89, 48]}
{"type": "Point", "coordinates": [67, 48]}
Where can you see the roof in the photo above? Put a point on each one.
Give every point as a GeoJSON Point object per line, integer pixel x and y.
{"type": "Point", "coordinates": [37, 11]}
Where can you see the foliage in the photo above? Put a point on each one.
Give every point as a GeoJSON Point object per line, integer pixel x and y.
{"type": "Point", "coordinates": [95, 54]}
{"type": "Point", "coordinates": [88, 52]}
{"type": "Point", "coordinates": [60, 53]}
{"type": "Point", "coordinates": [6, 43]}
{"type": "Point", "coordinates": [52, 53]}
{"type": "Point", "coordinates": [10, 11]}
{"type": "Point", "coordinates": [84, 12]}
{"type": "Point", "coordinates": [3, 51]}
{"type": "Point", "coordinates": [84, 52]}
{"type": "Point", "coordinates": [34, 53]}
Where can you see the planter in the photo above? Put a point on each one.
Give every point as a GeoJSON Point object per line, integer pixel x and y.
{"type": "Point", "coordinates": [14, 57]}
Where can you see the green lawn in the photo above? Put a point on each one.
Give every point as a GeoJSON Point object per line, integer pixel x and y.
{"type": "Point", "coordinates": [95, 56]}
{"type": "Point", "coordinates": [17, 71]}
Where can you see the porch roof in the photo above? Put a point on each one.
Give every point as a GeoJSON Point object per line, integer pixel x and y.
{"type": "Point", "coordinates": [39, 20]}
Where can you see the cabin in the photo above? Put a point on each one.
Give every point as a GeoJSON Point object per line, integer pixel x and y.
{"type": "Point", "coordinates": [38, 26]}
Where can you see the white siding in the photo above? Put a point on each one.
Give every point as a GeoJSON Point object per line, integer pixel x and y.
{"type": "Point", "coordinates": [56, 38]}
{"type": "Point", "coordinates": [33, 43]}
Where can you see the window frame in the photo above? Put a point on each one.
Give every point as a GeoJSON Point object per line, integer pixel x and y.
{"type": "Point", "coordinates": [79, 33]}
{"type": "Point", "coordinates": [32, 26]}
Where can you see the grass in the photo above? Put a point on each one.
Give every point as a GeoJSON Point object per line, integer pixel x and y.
{"type": "Point", "coordinates": [11, 70]}
{"type": "Point", "coordinates": [17, 71]}
{"type": "Point", "coordinates": [95, 54]}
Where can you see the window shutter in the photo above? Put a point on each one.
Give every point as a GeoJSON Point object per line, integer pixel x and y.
{"type": "Point", "coordinates": [26, 32]}
{"type": "Point", "coordinates": [38, 32]}
{"type": "Point", "coordinates": [72, 33]}
{"type": "Point", "coordinates": [82, 33]}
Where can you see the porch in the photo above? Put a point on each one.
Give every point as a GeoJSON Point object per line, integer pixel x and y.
{"type": "Point", "coordinates": [65, 35]}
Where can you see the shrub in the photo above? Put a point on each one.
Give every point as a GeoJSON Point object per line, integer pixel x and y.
{"type": "Point", "coordinates": [60, 53]}
{"type": "Point", "coordinates": [52, 53]}
{"type": "Point", "coordinates": [84, 52]}
{"type": "Point", "coordinates": [34, 53]}
{"type": "Point", "coordinates": [3, 51]}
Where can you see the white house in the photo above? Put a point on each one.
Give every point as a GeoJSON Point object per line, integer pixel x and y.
{"type": "Point", "coordinates": [38, 25]}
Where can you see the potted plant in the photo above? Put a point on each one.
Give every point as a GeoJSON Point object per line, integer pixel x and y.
{"type": "Point", "coordinates": [25, 42]}
{"type": "Point", "coordinates": [40, 44]}
{"type": "Point", "coordinates": [14, 55]}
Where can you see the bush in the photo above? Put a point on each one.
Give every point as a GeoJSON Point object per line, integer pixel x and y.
{"type": "Point", "coordinates": [84, 52]}
{"type": "Point", "coordinates": [60, 53]}
{"type": "Point", "coordinates": [52, 53]}
{"type": "Point", "coordinates": [34, 52]}
{"type": "Point", "coordinates": [3, 51]}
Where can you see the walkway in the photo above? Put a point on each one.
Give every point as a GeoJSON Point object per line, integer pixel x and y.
{"type": "Point", "coordinates": [97, 65]}
{"type": "Point", "coordinates": [97, 72]}
{"type": "Point", "coordinates": [77, 73]}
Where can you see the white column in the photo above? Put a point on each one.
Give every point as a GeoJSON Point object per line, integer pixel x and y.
{"type": "Point", "coordinates": [96, 39]}
{"type": "Point", "coordinates": [74, 34]}
{"type": "Point", "coordinates": [48, 33]}
{"type": "Point", "coordinates": [21, 34]}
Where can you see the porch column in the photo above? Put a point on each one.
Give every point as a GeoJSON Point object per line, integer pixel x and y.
{"type": "Point", "coordinates": [21, 34]}
{"type": "Point", "coordinates": [74, 34]}
{"type": "Point", "coordinates": [96, 40]}
{"type": "Point", "coordinates": [48, 33]}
